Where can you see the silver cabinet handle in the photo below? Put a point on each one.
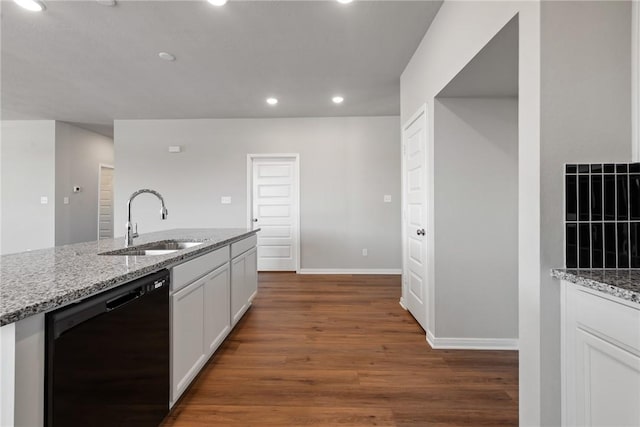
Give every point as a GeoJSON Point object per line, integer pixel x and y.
{"type": "Point", "coordinates": [420, 232]}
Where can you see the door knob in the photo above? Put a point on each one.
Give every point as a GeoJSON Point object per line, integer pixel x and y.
{"type": "Point", "coordinates": [420, 232]}
{"type": "Point", "coordinates": [255, 219]}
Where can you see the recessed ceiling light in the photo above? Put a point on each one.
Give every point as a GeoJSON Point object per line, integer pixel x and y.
{"type": "Point", "coordinates": [337, 99]}
{"type": "Point", "coordinates": [218, 2]}
{"type": "Point", "coordinates": [272, 101]}
{"type": "Point", "coordinates": [109, 3]}
{"type": "Point", "coordinates": [32, 5]}
{"type": "Point", "coordinates": [167, 56]}
{"type": "Point", "coordinates": [345, 1]}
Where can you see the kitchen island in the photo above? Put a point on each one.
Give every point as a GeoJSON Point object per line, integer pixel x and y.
{"type": "Point", "coordinates": [600, 346]}
{"type": "Point", "coordinates": [34, 283]}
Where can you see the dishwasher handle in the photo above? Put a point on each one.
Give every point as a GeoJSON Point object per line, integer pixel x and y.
{"type": "Point", "coordinates": [121, 300]}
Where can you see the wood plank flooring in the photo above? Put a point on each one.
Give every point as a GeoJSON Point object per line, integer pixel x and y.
{"type": "Point", "coordinates": [340, 351]}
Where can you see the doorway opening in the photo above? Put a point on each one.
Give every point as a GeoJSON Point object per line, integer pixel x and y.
{"type": "Point", "coordinates": [468, 270]}
{"type": "Point", "coordinates": [273, 205]}
{"type": "Point", "coordinates": [476, 200]}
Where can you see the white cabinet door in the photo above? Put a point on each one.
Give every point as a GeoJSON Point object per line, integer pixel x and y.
{"type": "Point", "coordinates": [239, 300]}
{"type": "Point", "coordinates": [601, 360]}
{"type": "Point", "coordinates": [251, 274]}
{"type": "Point", "coordinates": [216, 308]}
{"type": "Point", "coordinates": [244, 283]}
{"type": "Point", "coordinates": [187, 349]}
{"type": "Point", "coordinates": [608, 384]}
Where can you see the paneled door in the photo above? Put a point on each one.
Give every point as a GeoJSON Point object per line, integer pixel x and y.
{"type": "Point", "coordinates": [274, 209]}
{"type": "Point", "coordinates": [414, 278]}
{"type": "Point", "coordinates": [105, 203]}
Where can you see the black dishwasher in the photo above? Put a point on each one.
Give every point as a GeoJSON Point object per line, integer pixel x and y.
{"type": "Point", "coordinates": [107, 357]}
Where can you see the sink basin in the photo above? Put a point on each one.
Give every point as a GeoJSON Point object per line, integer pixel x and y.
{"type": "Point", "coordinates": [164, 247]}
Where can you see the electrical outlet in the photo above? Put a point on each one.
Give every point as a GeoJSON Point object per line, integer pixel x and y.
{"type": "Point", "coordinates": [387, 198]}
{"type": "Point", "coordinates": [65, 200]}
{"type": "Point", "coordinates": [225, 200]}
{"type": "Point", "coordinates": [365, 252]}
{"type": "Point", "coordinates": [44, 200]}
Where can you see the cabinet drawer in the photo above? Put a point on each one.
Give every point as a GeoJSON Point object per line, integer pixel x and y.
{"type": "Point", "coordinates": [189, 271]}
{"type": "Point", "coordinates": [243, 245]}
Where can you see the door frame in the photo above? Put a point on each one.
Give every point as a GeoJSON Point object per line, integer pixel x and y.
{"type": "Point", "coordinates": [428, 274]}
{"type": "Point", "coordinates": [106, 166]}
{"type": "Point", "coordinates": [635, 81]}
{"type": "Point", "coordinates": [296, 176]}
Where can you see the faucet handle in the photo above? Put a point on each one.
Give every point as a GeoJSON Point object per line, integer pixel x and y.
{"type": "Point", "coordinates": [135, 230]}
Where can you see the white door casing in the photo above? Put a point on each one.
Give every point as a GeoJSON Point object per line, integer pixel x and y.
{"type": "Point", "coordinates": [414, 218]}
{"type": "Point", "coordinates": [105, 202]}
{"type": "Point", "coordinates": [273, 206]}
{"type": "Point", "coordinates": [635, 80]}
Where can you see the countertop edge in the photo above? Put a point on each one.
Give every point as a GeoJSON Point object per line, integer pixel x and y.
{"type": "Point", "coordinates": [111, 283]}
{"type": "Point", "coordinates": [597, 285]}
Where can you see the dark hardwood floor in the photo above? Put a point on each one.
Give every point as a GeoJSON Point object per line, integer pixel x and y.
{"type": "Point", "coordinates": [340, 351]}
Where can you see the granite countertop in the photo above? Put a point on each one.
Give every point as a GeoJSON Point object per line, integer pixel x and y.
{"type": "Point", "coordinates": [623, 284]}
{"type": "Point", "coordinates": [39, 281]}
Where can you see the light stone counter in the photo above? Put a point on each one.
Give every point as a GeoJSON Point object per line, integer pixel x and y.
{"type": "Point", "coordinates": [623, 284]}
{"type": "Point", "coordinates": [43, 280]}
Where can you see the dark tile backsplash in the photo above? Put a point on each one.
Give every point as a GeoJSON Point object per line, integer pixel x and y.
{"type": "Point", "coordinates": [602, 215]}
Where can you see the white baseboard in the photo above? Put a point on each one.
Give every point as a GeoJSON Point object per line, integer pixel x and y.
{"type": "Point", "coordinates": [402, 304]}
{"type": "Point", "coordinates": [350, 271]}
{"type": "Point", "coordinates": [471, 343]}
{"type": "Point", "coordinates": [430, 338]}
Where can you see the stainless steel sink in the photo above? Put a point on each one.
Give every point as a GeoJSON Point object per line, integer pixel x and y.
{"type": "Point", "coordinates": [164, 247]}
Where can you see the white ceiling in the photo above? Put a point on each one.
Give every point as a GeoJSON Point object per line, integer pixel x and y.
{"type": "Point", "coordinates": [89, 64]}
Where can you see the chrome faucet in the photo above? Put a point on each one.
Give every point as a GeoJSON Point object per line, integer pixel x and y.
{"type": "Point", "coordinates": [131, 233]}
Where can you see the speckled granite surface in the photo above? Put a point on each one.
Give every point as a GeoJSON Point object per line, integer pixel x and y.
{"type": "Point", "coordinates": [620, 283]}
{"type": "Point", "coordinates": [42, 280]}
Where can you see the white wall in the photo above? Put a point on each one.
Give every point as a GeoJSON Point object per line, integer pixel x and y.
{"type": "Point", "coordinates": [79, 153]}
{"type": "Point", "coordinates": [586, 117]}
{"type": "Point", "coordinates": [459, 31]}
{"type": "Point", "coordinates": [476, 219]}
{"type": "Point", "coordinates": [347, 165]}
{"type": "Point", "coordinates": [28, 168]}
{"type": "Point", "coordinates": [580, 53]}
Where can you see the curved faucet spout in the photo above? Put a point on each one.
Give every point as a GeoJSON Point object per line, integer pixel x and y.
{"type": "Point", "coordinates": [131, 233]}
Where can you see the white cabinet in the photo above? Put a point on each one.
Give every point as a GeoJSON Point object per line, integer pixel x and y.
{"type": "Point", "coordinates": [187, 345]}
{"type": "Point", "coordinates": [205, 304]}
{"type": "Point", "coordinates": [200, 322]}
{"type": "Point", "coordinates": [216, 308]}
{"type": "Point", "coordinates": [600, 359]}
{"type": "Point", "coordinates": [244, 283]}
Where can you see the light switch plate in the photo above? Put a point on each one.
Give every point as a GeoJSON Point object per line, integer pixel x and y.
{"type": "Point", "coordinates": [387, 198]}
{"type": "Point", "coordinates": [225, 200]}
{"type": "Point", "coordinates": [65, 200]}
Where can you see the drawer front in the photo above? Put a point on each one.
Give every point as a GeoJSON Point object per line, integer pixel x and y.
{"type": "Point", "coordinates": [194, 269]}
{"type": "Point", "coordinates": [243, 245]}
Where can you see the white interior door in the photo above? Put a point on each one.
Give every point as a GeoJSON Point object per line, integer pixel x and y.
{"type": "Point", "coordinates": [275, 211]}
{"type": "Point", "coordinates": [105, 203]}
{"type": "Point", "coordinates": [414, 278]}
